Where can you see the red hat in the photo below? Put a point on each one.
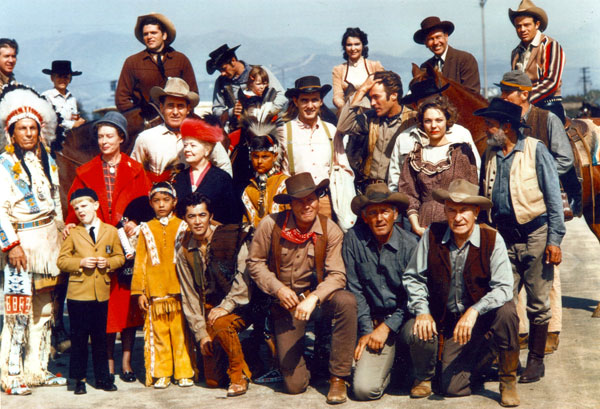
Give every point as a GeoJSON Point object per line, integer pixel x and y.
{"type": "Point", "coordinates": [201, 130]}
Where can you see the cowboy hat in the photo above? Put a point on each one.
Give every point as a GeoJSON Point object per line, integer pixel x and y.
{"type": "Point", "coordinates": [515, 80]}
{"type": "Point", "coordinates": [299, 186]}
{"type": "Point", "coordinates": [502, 111]}
{"type": "Point", "coordinates": [462, 191]}
{"type": "Point", "coordinates": [61, 67]}
{"type": "Point", "coordinates": [168, 24]}
{"type": "Point", "coordinates": [422, 89]}
{"type": "Point", "coordinates": [377, 194]}
{"type": "Point", "coordinates": [219, 56]}
{"type": "Point", "coordinates": [527, 8]}
{"type": "Point", "coordinates": [307, 85]}
{"type": "Point", "coordinates": [429, 24]}
{"type": "Point", "coordinates": [112, 118]}
{"type": "Point", "coordinates": [175, 87]}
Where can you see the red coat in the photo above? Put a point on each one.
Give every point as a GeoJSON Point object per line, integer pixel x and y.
{"type": "Point", "coordinates": [131, 183]}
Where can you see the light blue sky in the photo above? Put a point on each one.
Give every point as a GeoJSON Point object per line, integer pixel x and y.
{"type": "Point", "coordinates": [390, 24]}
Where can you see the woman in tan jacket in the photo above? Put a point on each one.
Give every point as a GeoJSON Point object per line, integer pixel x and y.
{"type": "Point", "coordinates": [347, 77]}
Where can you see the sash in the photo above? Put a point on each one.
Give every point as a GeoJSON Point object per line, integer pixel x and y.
{"type": "Point", "coordinates": [151, 244]}
{"type": "Point", "coordinates": [22, 186]}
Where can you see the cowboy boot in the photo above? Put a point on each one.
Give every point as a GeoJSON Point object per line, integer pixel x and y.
{"type": "Point", "coordinates": [535, 360]}
{"type": "Point", "coordinates": [507, 372]}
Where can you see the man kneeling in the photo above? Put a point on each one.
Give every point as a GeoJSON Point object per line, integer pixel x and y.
{"type": "Point", "coordinates": [459, 285]}
{"type": "Point", "coordinates": [213, 287]}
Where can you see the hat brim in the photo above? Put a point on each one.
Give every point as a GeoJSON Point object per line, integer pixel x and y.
{"type": "Point", "coordinates": [534, 11]}
{"type": "Point", "coordinates": [99, 122]}
{"type": "Point", "coordinates": [441, 195]}
{"type": "Point", "coordinates": [169, 27]}
{"type": "Point", "coordinates": [499, 116]}
{"type": "Point", "coordinates": [400, 200]}
{"type": "Point", "coordinates": [48, 71]}
{"type": "Point", "coordinates": [420, 35]}
{"type": "Point", "coordinates": [286, 198]}
{"type": "Point", "coordinates": [294, 92]}
{"type": "Point", "coordinates": [157, 92]}
{"type": "Point", "coordinates": [414, 98]}
{"type": "Point", "coordinates": [213, 64]}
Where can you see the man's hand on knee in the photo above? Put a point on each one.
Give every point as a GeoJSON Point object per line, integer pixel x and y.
{"type": "Point", "coordinates": [306, 307]}
{"type": "Point", "coordinates": [464, 327]}
{"type": "Point", "coordinates": [215, 314]}
{"type": "Point", "coordinates": [287, 297]}
{"type": "Point", "coordinates": [424, 327]}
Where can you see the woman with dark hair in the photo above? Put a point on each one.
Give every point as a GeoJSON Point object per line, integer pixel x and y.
{"type": "Point", "coordinates": [433, 163]}
{"type": "Point", "coordinates": [347, 77]}
{"type": "Point", "coordinates": [122, 187]}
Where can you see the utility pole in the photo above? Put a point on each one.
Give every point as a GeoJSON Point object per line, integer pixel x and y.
{"type": "Point", "coordinates": [485, 86]}
{"type": "Point", "coordinates": [585, 78]}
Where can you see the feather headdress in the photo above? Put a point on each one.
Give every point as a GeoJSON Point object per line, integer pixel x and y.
{"type": "Point", "coordinates": [18, 102]}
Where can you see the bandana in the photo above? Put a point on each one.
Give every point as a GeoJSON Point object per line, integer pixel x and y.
{"type": "Point", "coordinates": [163, 189]}
{"type": "Point", "coordinates": [294, 235]}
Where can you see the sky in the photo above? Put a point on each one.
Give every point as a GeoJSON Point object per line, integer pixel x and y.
{"type": "Point", "coordinates": [390, 24]}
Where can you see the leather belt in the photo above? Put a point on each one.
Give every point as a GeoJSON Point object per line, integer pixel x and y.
{"type": "Point", "coordinates": [36, 223]}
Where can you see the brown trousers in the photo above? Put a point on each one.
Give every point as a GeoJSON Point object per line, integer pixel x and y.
{"type": "Point", "coordinates": [226, 346]}
{"type": "Point", "coordinates": [289, 337]}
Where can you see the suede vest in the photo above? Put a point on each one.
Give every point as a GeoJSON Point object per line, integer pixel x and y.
{"type": "Point", "coordinates": [538, 122]}
{"type": "Point", "coordinates": [525, 194]}
{"type": "Point", "coordinates": [476, 273]}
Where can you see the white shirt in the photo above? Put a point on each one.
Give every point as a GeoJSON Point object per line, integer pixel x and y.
{"type": "Point", "coordinates": [158, 147]}
{"type": "Point", "coordinates": [96, 225]}
{"type": "Point", "coordinates": [312, 149]}
{"type": "Point", "coordinates": [65, 105]}
{"type": "Point", "coordinates": [406, 143]}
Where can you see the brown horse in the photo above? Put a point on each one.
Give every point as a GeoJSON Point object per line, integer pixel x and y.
{"type": "Point", "coordinates": [80, 145]}
{"type": "Point", "coordinates": [583, 133]}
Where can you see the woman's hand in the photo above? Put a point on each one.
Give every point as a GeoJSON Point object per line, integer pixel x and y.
{"type": "Point", "coordinates": [67, 229]}
{"type": "Point", "coordinates": [416, 227]}
{"type": "Point", "coordinates": [129, 228]}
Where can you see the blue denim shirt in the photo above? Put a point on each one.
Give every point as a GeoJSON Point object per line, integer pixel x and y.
{"type": "Point", "coordinates": [547, 181]}
{"type": "Point", "coordinates": [375, 275]}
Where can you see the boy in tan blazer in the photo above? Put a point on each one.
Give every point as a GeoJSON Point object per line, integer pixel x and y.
{"type": "Point", "coordinates": [90, 252]}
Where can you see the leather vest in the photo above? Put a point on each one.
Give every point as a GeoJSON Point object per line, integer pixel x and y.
{"type": "Point", "coordinates": [538, 122]}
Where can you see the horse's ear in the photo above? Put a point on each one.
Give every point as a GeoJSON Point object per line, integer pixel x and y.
{"type": "Point", "coordinates": [431, 71]}
{"type": "Point", "coordinates": [416, 70]}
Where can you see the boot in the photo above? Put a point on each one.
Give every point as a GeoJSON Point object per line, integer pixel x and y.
{"type": "Point", "coordinates": [552, 342]}
{"type": "Point", "coordinates": [507, 372]}
{"type": "Point", "coordinates": [535, 360]}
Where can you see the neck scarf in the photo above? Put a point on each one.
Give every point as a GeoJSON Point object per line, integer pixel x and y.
{"type": "Point", "coordinates": [294, 235]}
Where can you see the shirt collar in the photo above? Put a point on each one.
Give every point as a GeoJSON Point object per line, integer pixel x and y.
{"type": "Point", "coordinates": [54, 93]}
{"type": "Point", "coordinates": [393, 241]}
{"type": "Point", "coordinates": [95, 224]}
{"type": "Point", "coordinates": [443, 56]}
{"type": "Point", "coordinates": [474, 238]}
{"type": "Point", "coordinates": [302, 125]}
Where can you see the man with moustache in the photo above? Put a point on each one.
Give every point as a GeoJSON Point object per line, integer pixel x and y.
{"type": "Point", "coordinates": [8, 59]}
{"type": "Point", "coordinates": [372, 134]}
{"type": "Point", "coordinates": [519, 176]}
{"type": "Point", "coordinates": [152, 66]}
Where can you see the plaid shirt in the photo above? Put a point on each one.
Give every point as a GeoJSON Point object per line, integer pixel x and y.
{"type": "Point", "coordinates": [109, 181]}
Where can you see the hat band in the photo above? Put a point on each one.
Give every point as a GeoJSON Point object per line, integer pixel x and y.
{"type": "Point", "coordinates": [22, 113]}
{"type": "Point", "coordinates": [513, 85]}
{"type": "Point", "coordinates": [309, 86]}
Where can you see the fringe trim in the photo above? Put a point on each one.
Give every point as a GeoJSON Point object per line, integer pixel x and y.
{"type": "Point", "coordinates": [148, 348]}
{"type": "Point", "coordinates": [165, 306]}
{"type": "Point", "coordinates": [10, 321]}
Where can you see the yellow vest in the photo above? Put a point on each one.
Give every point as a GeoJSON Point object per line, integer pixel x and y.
{"type": "Point", "coordinates": [525, 194]}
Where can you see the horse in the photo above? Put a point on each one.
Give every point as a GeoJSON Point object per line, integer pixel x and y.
{"type": "Point", "coordinates": [584, 135]}
{"type": "Point", "coordinates": [80, 145]}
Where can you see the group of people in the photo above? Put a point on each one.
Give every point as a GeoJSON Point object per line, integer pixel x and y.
{"type": "Point", "coordinates": [220, 222]}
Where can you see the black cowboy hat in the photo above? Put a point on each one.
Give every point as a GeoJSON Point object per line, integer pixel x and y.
{"type": "Point", "coordinates": [61, 67]}
{"type": "Point", "coordinates": [429, 24]}
{"type": "Point", "coordinates": [300, 186]}
{"type": "Point", "coordinates": [377, 194]}
{"type": "Point", "coordinates": [422, 89]}
{"type": "Point", "coordinates": [502, 110]}
{"type": "Point", "coordinates": [218, 57]}
{"type": "Point", "coordinates": [306, 85]}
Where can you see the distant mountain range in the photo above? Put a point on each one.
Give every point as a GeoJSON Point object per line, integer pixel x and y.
{"type": "Point", "coordinates": [100, 56]}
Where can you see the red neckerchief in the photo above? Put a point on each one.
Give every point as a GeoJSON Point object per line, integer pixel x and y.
{"type": "Point", "coordinates": [294, 235]}
{"type": "Point", "coordinates": [200, 178]}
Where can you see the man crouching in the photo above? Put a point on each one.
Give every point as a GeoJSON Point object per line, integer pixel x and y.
{"type": "Point", "coordinates": [459, 286]}
{"type": "Point", "coordinates": [213, 287]}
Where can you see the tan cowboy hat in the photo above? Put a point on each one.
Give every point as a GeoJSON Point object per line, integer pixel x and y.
{"type": "Point", "coordinates": [175, 87]}
{"type": "Point", "coordinates": [377, 194]}
{"type": "Point", "coordinates": [462, 191]}
{"type": "Point", "coordinates": [169, 27]}
{"type": "Point", "coordinates": [527, 8]}
{"type": "Point", "coordinates": [299, 186]}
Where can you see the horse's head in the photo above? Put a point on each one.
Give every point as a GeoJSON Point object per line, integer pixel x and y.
{"type": "Point", "coordinates": [422, 74]}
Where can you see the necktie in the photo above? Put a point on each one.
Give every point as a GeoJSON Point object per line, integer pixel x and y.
{"type": "Point", "coordinates": [439, 63]}
{"type": "Point", "coordinates": [92, 234]}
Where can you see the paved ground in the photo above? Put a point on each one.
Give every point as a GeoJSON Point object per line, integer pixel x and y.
{"type": "Point", "coordinates": [572, 373]}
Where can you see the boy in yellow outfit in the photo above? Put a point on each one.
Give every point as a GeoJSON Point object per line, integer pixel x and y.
{"type": "Point", "coordinates": [155, 282]}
